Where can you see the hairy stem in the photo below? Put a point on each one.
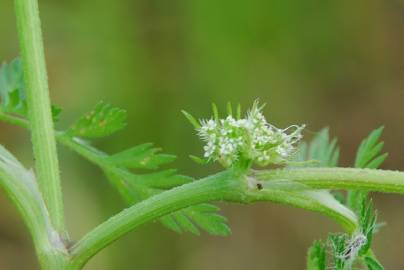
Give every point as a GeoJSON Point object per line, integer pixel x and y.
{"type": "Point", "coordinates": [340, 178]}
{"type": "Point", "coordinates": [22, 189]}
{"type": "Point", "coordinates": [230, 186]}
{"type": "Point", "coordinates": [40, 116]}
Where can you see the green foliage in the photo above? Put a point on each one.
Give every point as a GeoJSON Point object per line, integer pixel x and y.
{"type": "Point", "coordinates": [194, 218]}
{"type": "Point", "coordinates": [316, 257]}
{"type": "Point", "coordinates": [191, 119]}
{"type": "Point", "coordinates": [346, 251]}
{"type": "Point", "coordinates": [367, 223]}
{"type": "Point", "coordinates": [141, 156]}
{"type": "Point", "coordinates": [322, 151]}
{"type": "Point", "coordinates": [337, 244]}
{"type": "Point", "coordinates": [105, 120]}
{"type": "Point", "coordinates": [136, 186]}
{"type": "Point", "coordinates": [368, 156]}
{"type": "Point", "coordinates": [372, 263]}
{"type": "Point", "coordinates": [12, 91]}
{"type": "Point", "coordinates": [369, 152]}
{"type": "Point", "coordinates": [102, 121]}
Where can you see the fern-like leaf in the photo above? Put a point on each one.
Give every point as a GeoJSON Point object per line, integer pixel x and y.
{"type": "Point", "coordinates": [141, 156]}
{"type": "Point", "coordinates": [190, 219]}
{"type": "Point", "coordinates": [135, 186]}
{"type": "Point", "coordinates": [322, 151]}
{"type": "Point", "coordinates": [369, 152]}
{"type": "Point", "coordinates": [102, 121]}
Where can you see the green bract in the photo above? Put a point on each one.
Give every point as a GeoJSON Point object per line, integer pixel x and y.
{"type": "Point", "coordinates": [251, 138]}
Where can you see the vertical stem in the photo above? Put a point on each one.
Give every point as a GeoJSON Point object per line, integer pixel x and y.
{"type": "Point", "coordinates": [40, 116]}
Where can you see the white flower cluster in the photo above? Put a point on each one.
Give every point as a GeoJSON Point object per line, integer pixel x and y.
{"type": "Point", "coordinates": [253, 138]}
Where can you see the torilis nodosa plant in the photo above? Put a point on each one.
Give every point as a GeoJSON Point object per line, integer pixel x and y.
{"type": "Point", "coordinates": [261, 162]}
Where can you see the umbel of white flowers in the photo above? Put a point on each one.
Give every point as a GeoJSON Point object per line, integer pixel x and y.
{"type": "Point", "coordinates": [251, 138]}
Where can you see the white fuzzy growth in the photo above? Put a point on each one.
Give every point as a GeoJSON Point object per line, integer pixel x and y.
{"type": "Point", "coordinates": [353, 247]}
{"type": "Point", "coordinates": [229, 139]}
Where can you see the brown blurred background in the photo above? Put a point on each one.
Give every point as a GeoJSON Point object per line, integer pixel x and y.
{"type": "Point", "coordinates": [323, 63]}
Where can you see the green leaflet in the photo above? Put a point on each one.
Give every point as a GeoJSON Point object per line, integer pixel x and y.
{"type": "Point", "coordinates": [137, 187]}
{"type": "Point", "coordinates": [369, 152]}
{"type": "Point", "coordinates": [368, 156]}
{"type": "Point", "coordinates": [194, 218]}
{"type": "Point", "coordinates": [12, 91]}
{"type": "Point", "coordinates": [316, 257]}
{"type": "Point", "coordinates": [102, 121]}
{"type": "Point", "coordinates": [321, 151]}
{"type": "Point", "coordinates": [141, 156]}
{"type": "Point", "coordinates": [372, 263]}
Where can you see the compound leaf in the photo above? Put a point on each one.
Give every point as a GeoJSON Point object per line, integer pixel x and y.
{"type": "Point", "coordinates": [190, 219]}
{"type": "Point", "coordinates": [135, 186]}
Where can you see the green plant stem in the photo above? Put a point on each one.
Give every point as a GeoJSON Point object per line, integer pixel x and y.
{"type": "Point", "coordinates": [230, 186]}
{"type": "Point", "coordinates": [38, 101]}
{"type": "Point", "coordinates": [340, 178]}
{"type": "Point", "coordinates": [23, 191]}
{"type": "Point", "coordinates": [14, 120]}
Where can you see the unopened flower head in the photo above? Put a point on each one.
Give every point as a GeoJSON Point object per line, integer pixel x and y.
{"type": "Point", "coordinates": [231, 139]}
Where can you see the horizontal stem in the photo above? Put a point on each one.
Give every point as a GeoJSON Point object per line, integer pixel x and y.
{"type": "Point", "coordinates": [230, 186]}
{"type": "Point", "coordinates": [340, 178]}
{"type": "Point", "coordinates": [166, 202]}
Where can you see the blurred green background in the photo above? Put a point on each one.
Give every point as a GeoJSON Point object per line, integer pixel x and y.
{"type": "Point", "coordinates": [336, 63]}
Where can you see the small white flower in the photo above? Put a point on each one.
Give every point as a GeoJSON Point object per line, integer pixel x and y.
{"type": "Point", "coordinates": [252, 137]}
